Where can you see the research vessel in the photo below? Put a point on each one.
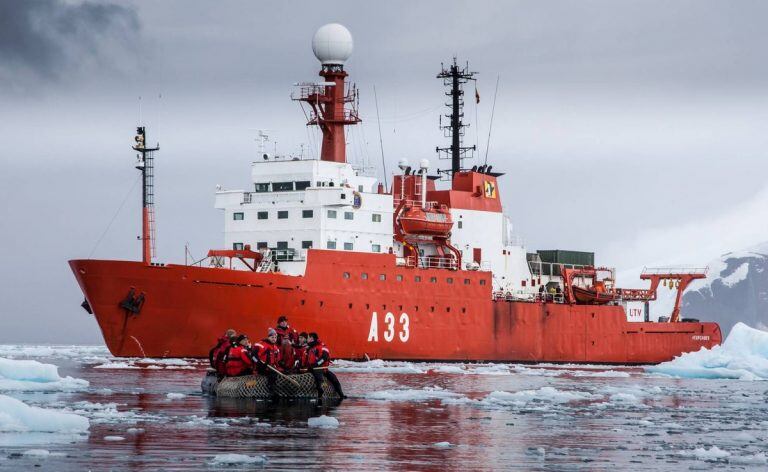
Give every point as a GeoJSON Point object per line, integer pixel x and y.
{"type": "Point", "coordinates": [426, 268]}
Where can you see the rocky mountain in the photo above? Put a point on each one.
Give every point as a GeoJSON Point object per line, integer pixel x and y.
{"type": "Point", "coordinates": [736, 289]}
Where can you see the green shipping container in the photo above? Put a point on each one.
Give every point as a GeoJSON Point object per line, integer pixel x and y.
{"type": "Point", "coordinates": [559, 256]}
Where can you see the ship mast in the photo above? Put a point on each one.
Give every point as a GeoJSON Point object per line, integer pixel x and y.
{"type": "Point", "coordinates": [145, 164]}
{"type": "Point", "coordinates": [454, 77]}
{"type": "Point", "coordinates": [332, 46]}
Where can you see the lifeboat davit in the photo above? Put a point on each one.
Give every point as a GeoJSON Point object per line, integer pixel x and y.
{"type": "Point", "coordinates": [434, 221]}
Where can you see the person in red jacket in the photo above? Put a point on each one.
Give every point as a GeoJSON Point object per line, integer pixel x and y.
{"type": "Point", "coordinates": [300, 353]}
{"type": "Point", "coordinates": [319, 361]}
{"type": "Point", "coordinates": [266, 355]}
{"type": "Point", "coordinates": [238, 362]}
{"type": "Point", "coordinates": [217, 352]}
{"type": "Point", "coordinates": [286, 336]}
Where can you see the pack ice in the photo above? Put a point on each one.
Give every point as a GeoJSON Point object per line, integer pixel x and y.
{"type": "Point", "coordinates": [17, 416]}
{"type": "Point", "coordinates": [33, 376]}
{"type": "Point", "coordinates": [743, 355]}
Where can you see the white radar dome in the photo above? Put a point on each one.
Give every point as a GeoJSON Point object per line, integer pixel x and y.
{"type": "Point", "coordinates": [332, 44]}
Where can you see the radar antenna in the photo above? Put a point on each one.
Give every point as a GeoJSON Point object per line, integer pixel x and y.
{"type": "Point", "coordinates": [145, 160]}
{"type": "Point", "coordinates": [454, 77]}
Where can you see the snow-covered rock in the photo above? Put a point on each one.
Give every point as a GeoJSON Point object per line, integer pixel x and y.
{"type": "Point", "coordinates": [736, 290]}
{"type": "Point", "coordinates": [323, 422]}
{"type": "Point", "coordinates": [16, 415]}
{"type": "Point", "coordinates": [743, 355]}
{"type": "Point", "coordinates": [234, 459]}
{"type": "Point", "coordinates": [26, 375]}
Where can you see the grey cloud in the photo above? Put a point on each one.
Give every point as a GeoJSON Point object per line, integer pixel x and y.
{"type": "Point", "coordinates": [44, 38]}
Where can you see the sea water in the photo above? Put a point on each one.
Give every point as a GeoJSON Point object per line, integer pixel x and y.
{"type": "Point", "coordinates": [77, 408]}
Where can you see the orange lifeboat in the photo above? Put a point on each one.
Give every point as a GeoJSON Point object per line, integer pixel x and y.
{"type": "Point", "coordinates": [432, 221]}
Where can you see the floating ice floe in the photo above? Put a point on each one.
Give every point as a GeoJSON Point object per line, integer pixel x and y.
{"type": "Point", "coordinates": [703, 454]}
{"type": "Point", "coordinates": [323, 421]}
{"type": "Point", "coordinates": [757, 459]}
{"type": "Point", "coordinates": [411, 394]}
{"type": "Point", "coordinates": [114, 438]}
{"type": "Point", "coordinates": [542, 395]}
{"type": "Point", "coordinates": [16, 415]}
{"type": "Point", "coordinates": [58, 351]}
{"type": "Point", "coordinates": [442, 445]}
{"type": "Point", "coordinates": [743, 355]}
{"type": "Point", "coordinates": [233, 459]}
{"type": "Point", "coordinates": [150, 363]}
{"type": "Point", "coordinates": [175, 396]}
{"type": "Point", "coordinates": [378, 366]}
{"type": "Point", "coordinates": [26, 375]}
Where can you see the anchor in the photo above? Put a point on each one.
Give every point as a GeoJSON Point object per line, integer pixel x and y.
{"type": "Point", "coordinates": [132, 303]}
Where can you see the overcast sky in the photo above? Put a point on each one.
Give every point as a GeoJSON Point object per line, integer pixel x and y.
{"type": "Point", "coordinates": [636, 129]}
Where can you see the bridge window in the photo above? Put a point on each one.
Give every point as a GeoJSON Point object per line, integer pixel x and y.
{"type": "Point", "coordinates": [375, 247]}
{"type": "Point", "coordinates": [262, 245]}
{"type": "Point", "coordinates": [348, 246]}
{"type": "Point", "coordinates": [262, 215]}
{"type": "Point", "coordinates": [306, 244]}
{"type": "Point", "coordinates": [331, 245]}
{"type": "Point", "coordinates": [282, 186]}
{"type": "Point", "coordinates": [376, 218]}
{"type": "Point", "coordinates": [282, 245]}
{"type": "Point", "coordinates": [261, 188]}
{"type": "Point", "coordinates": [302, 184]}
{"type": "Point", "coordinates": [331, 213]}
{"type": "Point", "coordinates": [237, 246]}
{"type": "Point", "coordinates": [461, 224]}
{"type": "Point", "coordinates": [307, 213]}
{"type": "Point", "coordinates": [282, 214]}
{"type": "Point", "coordinates": [238, 215]}
{"type": "Point", "coordinates": [348, 215]}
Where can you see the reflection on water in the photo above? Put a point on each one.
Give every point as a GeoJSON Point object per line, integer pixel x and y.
{"type": "Point", "coordinates": [425, 417]}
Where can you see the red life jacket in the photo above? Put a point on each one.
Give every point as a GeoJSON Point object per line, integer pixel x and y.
{"type": "Point", "coordinates": [267, 352]}
{"type": "Point", "coordinates": [219, 353]}
{"type": "Point", "coordinates": [300, 356]}
{"type": "Point", "coordinates": [318, 355]}
{"type": "Point", "coordinates": [286, 333]}
{"type": "Point", "coordinates": [238, 361]}
{"type": "Point", "coordinates": [287, 355]}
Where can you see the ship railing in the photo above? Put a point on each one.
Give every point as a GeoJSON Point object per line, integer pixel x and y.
{"type": "Point", "coordinates": [514, 296]}
{"type": "Point", "coordinates": [675, 270]}
{"type": "Point", "coordinates": [551, 269]}
{"type": "Point", "coordinates": [549, 298]}
{"type": "Point", "coordinates": [431, 263]}
{"type": "Point", "coordinates": [416, 203]}
{"type": "Point", "coordinates": [264, 197]}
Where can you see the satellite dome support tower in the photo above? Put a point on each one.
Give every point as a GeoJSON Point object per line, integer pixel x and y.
{"type": "Point", "coordinates": [332, 45]}
{"type": "Point", "coordinates": [453, 78]}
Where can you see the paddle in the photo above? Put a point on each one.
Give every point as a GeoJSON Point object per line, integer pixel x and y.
{"type": "Point", "coordinates": [285, 376]}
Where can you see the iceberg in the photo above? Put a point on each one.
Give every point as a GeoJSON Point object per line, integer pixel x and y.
{"type": "Point", "coordinates": [16, 415]}
{"type": "Point", "coordinates": [33, 376]}
{"type": "Point", "coordinates": [743, 355]}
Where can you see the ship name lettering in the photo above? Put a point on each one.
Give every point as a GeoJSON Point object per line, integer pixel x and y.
{"type": "Point", "coordinates": [390, 322]}
{"type": "Point", "coordinates": [699, 337]}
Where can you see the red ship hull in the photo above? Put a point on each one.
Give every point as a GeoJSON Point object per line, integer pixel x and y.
{"type": "Point", "coordinates": [447, 315]}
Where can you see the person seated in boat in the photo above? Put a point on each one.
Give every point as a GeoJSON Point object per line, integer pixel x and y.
{"type": "Point", "coordinates": [300, 353]}
{"type": "Point", "coordinates": [286, 336]}
{"type": "Point", "coordinates": [238, 361]}
{"type": "Point", "coordinates": [217, 352]}
{"type": "Point", "coordinates": [266, 356]}
{"type": "Point", "coordinates": [318, 363]}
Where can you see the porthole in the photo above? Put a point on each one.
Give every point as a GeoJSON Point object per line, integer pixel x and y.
{"type": "Point", "coordinates": [449, 280]}
{"type": "Point", "coordinates": [433, 279]}
{"type": "Point", "coordinates": [399, 278]}
{"type": "Point", "coordinates": [466, 281]}
{"type": "Point", "coordinates": [364, 276]}
{"type": "Point", "coordinates": [346, 275]}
